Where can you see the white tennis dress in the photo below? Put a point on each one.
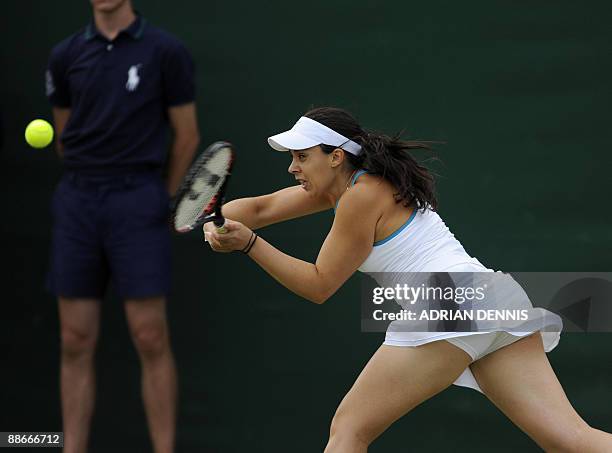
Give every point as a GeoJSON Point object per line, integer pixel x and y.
{"type": "Point", "coordinates": [425, 244]}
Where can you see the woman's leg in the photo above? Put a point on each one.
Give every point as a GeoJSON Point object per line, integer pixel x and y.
{"type": "Point", "coordinates": [519, 380]}
{"type": "Point", "coordinates": [395, 380]}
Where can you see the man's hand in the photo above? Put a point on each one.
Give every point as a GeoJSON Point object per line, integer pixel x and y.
{"type": "Point", "coordinates": [237, 236]}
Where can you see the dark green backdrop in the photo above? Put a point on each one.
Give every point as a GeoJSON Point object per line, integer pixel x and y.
{"type": "Point", "coordinates": [520, 91]}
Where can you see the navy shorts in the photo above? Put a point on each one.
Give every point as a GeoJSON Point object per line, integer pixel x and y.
{"type": "Point", "coordinates": [110, 229]}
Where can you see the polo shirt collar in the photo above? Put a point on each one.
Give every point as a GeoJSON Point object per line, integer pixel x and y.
{"type": "Point", "coordinates": [135, 30]}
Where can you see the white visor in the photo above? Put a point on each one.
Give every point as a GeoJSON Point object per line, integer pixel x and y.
{"type": "Point", "coordinates": [307, 133]}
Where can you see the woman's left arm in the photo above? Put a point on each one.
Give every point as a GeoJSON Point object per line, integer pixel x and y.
{"type": "Point", "coordinates": [347, 245]}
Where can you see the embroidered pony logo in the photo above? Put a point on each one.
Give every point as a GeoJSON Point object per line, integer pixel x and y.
{"type": "Point", "coordinates": [133, 78]}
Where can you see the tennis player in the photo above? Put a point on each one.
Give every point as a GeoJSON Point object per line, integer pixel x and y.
{"type": "Point", "coordinates": [385, 221]}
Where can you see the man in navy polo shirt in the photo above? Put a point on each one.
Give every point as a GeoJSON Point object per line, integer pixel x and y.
{"type": "Point", "coordinates": [115, 87]}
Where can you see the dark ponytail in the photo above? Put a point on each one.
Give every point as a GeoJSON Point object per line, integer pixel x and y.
{"type": "Point", "coordinates": [387, 157]}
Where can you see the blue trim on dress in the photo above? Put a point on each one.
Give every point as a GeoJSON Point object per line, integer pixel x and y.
{"type": "Point", "coordinates": [357, 175]}
{"type": "Point", "coordinates": [398, 231]}
{"type": "Point", "coordinates": [352, 183]}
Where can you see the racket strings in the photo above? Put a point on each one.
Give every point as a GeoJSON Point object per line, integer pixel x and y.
{"type": "Point", "coordinates": [203, 189]}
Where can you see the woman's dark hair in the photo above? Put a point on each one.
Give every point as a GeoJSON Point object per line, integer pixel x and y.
{"type": "Point", "coordinates": [385, 156]}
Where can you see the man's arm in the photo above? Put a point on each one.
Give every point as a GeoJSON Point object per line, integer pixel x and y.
{"type": "Point", "coordinates": [186, 140]}
{"type": "Point", "coordinates": [60, 118]}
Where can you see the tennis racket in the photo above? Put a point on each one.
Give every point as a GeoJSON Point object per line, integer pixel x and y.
{"type": "Point", "coordinates": [201, 193]}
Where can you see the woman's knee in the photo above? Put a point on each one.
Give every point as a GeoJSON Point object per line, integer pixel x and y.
{"type": "Point", "coordinates": [349, 429]}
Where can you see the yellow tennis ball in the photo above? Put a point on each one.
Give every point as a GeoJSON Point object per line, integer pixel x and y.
{"type": "Point", "coordinates": [39, 134]}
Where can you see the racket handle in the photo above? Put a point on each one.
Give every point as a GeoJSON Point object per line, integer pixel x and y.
{"type": "Point", "coordinates": [220, 224]}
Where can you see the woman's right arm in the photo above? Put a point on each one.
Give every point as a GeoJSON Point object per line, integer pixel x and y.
{"type": "Point", "coordinates": [285, 204]}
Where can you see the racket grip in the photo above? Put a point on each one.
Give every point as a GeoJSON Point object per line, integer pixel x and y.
{"type": "Point", "coordinates": [220, 224]}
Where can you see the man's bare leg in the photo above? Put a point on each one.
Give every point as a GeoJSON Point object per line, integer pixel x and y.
{"type": "Point", "coordinates": [149, 329]}
{"type": "Point", "coordinates": [79, 326]}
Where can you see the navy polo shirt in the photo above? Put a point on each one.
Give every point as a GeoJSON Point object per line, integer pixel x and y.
{"type": "Point", "coordinates": [118, 92]}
